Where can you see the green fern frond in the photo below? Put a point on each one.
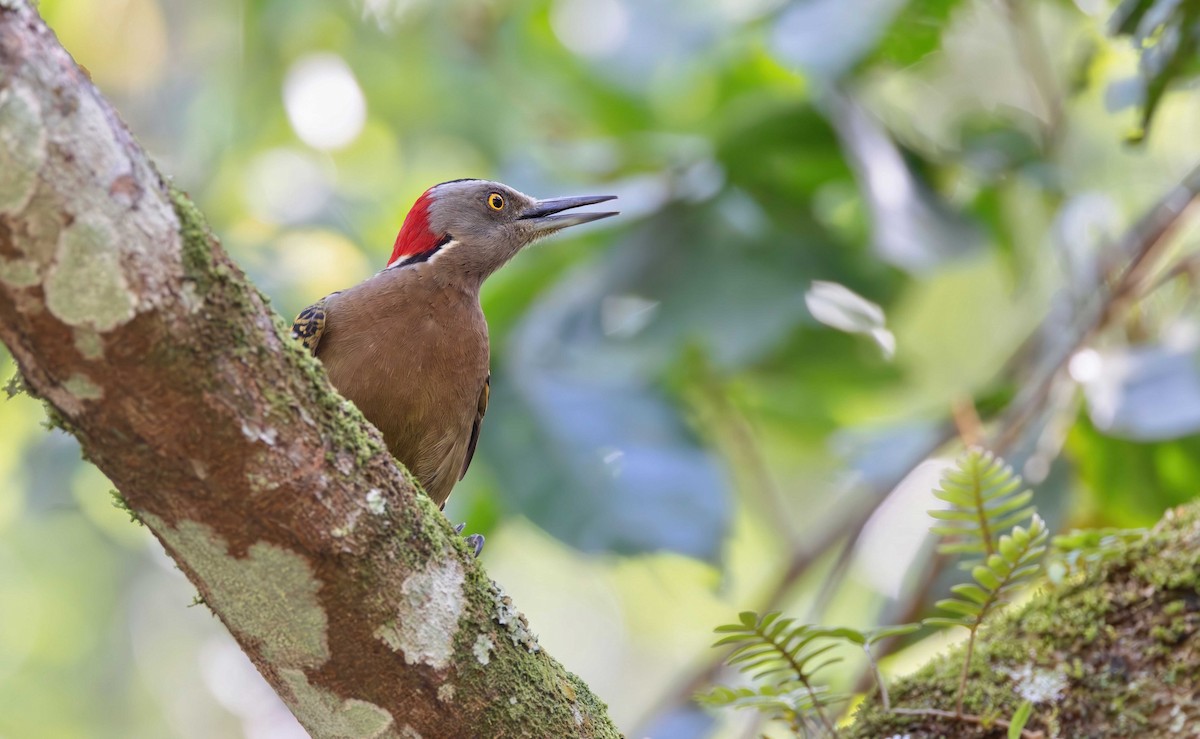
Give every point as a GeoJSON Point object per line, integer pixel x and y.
{"type": "Point", "coordinates": [770, 646]}
{"type": "Point", "coordinates": [1017, 559]}
{"type": "Point", "coordinates": [870, 637]}
{"type": "Point", "coordinates": [783, 700]}
{"type": "Point", "coordinates": [985, 499]}
{"type": "Point", "coordinates": [781, 657]}
{"type": "Point", "coordinates": [791, 703]}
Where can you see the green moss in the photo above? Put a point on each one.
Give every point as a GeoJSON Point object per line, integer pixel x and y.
{"type": "Point", "coordinates": [56, 419]}
{"type": "Point", "coordinates": [527, 676]}
{"type": "Point", "coordinates": [198, 242]}
{"type": "Point", "coordinates": [217, 281]}
{"type": "Point", "coordinates": [1113, 635]}
{"type": "Point", "coordinates": [119, 502]}
{"type": "Point", "coordinates": [529, 693]}
{"type": "Point", "coordinates": [15, 386]}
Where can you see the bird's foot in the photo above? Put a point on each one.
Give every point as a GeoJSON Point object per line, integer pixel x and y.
{"type": "Point", "coordinates": [475, 541]}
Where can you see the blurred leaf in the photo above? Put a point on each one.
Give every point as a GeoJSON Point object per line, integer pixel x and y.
{"type": "Point", "coordinates": [1143, 393]}
{"type": "Point", "coordinates": [915, 32]}
{"type": "Point", "coordinates": [781, 153]}
{"type": "Point", "coordinates": [839, 307]}
{"type": "Point", "coordinates": [1132, 483]}
{"type": "Point", "coordinates": [1167, 34]}
{"type": "Point", "coordinates": [911, 227]}
{"type": "Point", "coordinates": [1016, 725]}
{"type": "Point", "coordinates": [828, 37]}
{"type": "Point", "coordinates": [597, 456]}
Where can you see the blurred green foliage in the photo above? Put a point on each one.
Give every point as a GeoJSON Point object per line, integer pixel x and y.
{"type": "Point", "coordinates": [669, 420]}
{"type": "Point", "coordinates": [1168, 34]}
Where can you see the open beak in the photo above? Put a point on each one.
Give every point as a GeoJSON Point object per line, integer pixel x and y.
{"type": "Point", "coordinates": [547, 215]}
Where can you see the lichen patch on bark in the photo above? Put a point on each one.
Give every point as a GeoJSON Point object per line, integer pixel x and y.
{"type": "Point", "coordinates": [270, 595]}
{"type": "Point", "coordinates": [86, 285]}
{"type": "Point", "coordinates": [19, 272]}
{"type": "Point", "coordinates": [436, 593]}
{"type": "Point", "coordinates": [513, 621]}
{"type": "Point", "coordinates": [327, 715]}
{"type": "Point", "coordinates": [22, 147]}
{"type": "Point", "coordinates": [82, 387]}
{"type": "Point", "coordinates": [484, 646]}
{"type": "Point", "coordinates": [88, 343]}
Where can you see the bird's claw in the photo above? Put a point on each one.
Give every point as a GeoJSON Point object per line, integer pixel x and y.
{"type": "Point", "coordinates": [475, 541]}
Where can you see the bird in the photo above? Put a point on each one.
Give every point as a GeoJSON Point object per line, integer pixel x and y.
{"type": "Point", "coordinates": [409, 345]}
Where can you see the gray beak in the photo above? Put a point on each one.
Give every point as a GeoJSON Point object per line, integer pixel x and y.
{"type": "Point", "coordinates": [547, 215]}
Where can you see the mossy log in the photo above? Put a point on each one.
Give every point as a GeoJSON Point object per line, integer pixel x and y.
{"type": "Point", "coordinates": [1112, 652]}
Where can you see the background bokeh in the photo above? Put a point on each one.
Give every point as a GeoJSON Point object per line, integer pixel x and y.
{"type": "Point", "coordinates": [841, 218]}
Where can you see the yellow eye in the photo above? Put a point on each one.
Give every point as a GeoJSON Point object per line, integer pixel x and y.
{"type": "Point", "coordinates": [495, 201]}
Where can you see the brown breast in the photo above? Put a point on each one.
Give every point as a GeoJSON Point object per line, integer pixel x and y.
{"type": "Point", "coordinates": [412, 353]}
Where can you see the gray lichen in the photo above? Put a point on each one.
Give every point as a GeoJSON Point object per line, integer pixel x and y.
{"type": "Point", "coordinates": [86, 285]}
{"type": "Point", "coordinates": [513, 621]}
{"type": "Point", "coordinates": [22, 146]}
{"type": "Point", "coordinates": [82, 387]}
{"type": "Point", "coordinates": [269, 596]}
{"type": "Point", "coordinates": [325, 714]}
{"type": "Point", "coordinates": [436, 593]}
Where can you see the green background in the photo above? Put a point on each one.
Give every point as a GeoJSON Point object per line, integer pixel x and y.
{"type": "Point", "coordinates": [672, 411]}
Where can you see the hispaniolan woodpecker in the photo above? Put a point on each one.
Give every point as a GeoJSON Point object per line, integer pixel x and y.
{"type": "Point", "coordinates": [410, 345]}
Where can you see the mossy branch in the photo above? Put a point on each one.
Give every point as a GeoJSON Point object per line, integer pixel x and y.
{"type": "Point", "coordinates": [1111, 653]}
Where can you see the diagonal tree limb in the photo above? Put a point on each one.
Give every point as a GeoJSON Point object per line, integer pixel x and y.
{"type": "Point", "coordinates": [341, 581]}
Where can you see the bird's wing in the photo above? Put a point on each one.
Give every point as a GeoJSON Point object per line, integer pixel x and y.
{"type": "Point", "coordinates": [310, 324]}
{"type": "Point", "coordinates": [482, 409]}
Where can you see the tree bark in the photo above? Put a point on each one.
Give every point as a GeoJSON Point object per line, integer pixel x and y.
{"type": "Point", "coordinates": [341, 580]}
{"type": "Point", "coordinates": [1113, 652]}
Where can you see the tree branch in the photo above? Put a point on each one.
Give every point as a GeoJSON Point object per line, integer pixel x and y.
{"type": "Point", "coordinates": [1113, 652]}
{"type": "Point", "coordinates": [342, 582]}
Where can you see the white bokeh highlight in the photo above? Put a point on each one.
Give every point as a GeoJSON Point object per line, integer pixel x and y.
{"type": "Point", "coordinates": [286, 186]}
{"type": "Point", "coordinates": [590, 27]}
{"type": "Point", "coordinates": [324, 102]}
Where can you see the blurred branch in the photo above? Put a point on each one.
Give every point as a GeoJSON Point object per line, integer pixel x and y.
{"type": "Point", "coordinates": [1139, 248]}
{"type": "Point", "coordinates": [338, 577]}
{"type": "Point", "coordinates": [725, 421]}
{"type": "Point", "coordinates": [1033, 57]}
